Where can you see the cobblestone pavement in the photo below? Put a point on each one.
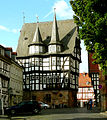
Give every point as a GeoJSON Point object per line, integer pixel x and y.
{"type": "Point", "coordinates": [62, 114]}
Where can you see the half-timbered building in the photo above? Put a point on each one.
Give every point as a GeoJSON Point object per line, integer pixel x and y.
{"type": "Point", "coordinates": [94, 74]}
{"type": "Point", "coordinates": [50, 54]}
{"type": "Point", "coordinates": [85, 90]}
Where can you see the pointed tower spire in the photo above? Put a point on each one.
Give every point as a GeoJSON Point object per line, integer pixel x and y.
{"type": "Point", "coordinates": [37, 36]}
{"type": "Point", "coordinates": [37, 46]}
{"type": "Point", "coordinates": [55, 34]}
{"type": "Point", "coordinates": [54, 45]}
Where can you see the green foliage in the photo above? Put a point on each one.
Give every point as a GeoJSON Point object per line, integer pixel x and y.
{"type": "Point", "coordinates": [91, 17]}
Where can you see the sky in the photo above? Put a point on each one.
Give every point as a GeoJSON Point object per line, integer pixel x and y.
{"type": "Point", "coordinates": [12, 18]}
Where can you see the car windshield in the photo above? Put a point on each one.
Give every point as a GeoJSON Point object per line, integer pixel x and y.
{"type": "Point", "coordinates": [21, 103]}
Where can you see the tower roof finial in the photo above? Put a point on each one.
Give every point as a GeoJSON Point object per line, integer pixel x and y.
{"type": "Point", "coordinates": [37, 18]}
{"type": "Point", "coordinates": [55, 34]}
{"type": "Point", "coordinates": [54, 10]}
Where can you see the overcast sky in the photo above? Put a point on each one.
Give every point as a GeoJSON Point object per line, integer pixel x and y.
{"type": "Point", "coordinates": [11, 19]}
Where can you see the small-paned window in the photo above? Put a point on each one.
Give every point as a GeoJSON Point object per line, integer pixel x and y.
{"type": "Point", "coordinates": [53, 62]}
{"type": "Point", "coordinates": [54, 80]}
{"type": "Point", "coordinates": [27, 80]}
{"type": "Point", "coordinates": [40, 79]}
{"type": "Point", "coordinates": [66, 80]}
{"type": "Point", "coordinates": [37, 63]}
{"type": "Point", "coordinates": [44, 79]}
{"type": "Point", "coordinates": [33, 77]}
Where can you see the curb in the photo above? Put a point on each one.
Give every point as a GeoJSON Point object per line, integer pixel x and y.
{"type": "Point", "coordinates": [104, 113]}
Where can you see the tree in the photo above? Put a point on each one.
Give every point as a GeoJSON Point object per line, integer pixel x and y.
{"type": "Point", "coordinates": [91, 17]}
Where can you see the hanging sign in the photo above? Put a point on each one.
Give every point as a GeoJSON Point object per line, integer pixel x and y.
{"type": "Point", "coordinates": [100, 86]}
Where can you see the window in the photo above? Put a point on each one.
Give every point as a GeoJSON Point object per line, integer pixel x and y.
{"type": "Point", "coordinates": [58, 48]}
{"type": "Point", "coordinates": [48, 97]}
{"type": "Point", "coordinates": [36, 63]}
{"type": "Point", "coordinates": [5, 66]}
{"type": "Point", "coordinates": [94, 82]}
{"type": "Point", "coordinates": [26, 69]}
{"type": "Point", "coordinates": [54, 80]}
{"type": "Point", "coordinates": [58, 62]}
{"type": "Point", "coordinates": [66, 80]}
{"type": "Point", "coordinates": [97, 82]}
{"type": "Point", "coordinates": [27, 80]}
{"type": "Point", "coordinates": [40, 79]}
{"type": "Point", "coordinates": [37, 81]}
{"type": "Point", "coordinates": [44, 79]}
{"type": "Point", "coordinates": [87, 82]}
{"type": "Point", "coordinates": [88, 89]}
{"type": "Point", "coordinates": [37, 86]}
{"type": "Point", "coordinates": [32, 86]}
{"type": "Point", "coordinates": [40, 49]}
{"type": "Point", "coordinates": [33, 77]}
{"type": "Point", "coordinates": [53, 62]}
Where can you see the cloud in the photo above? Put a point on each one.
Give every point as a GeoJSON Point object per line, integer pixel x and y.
{"type": "Point", "coordinates": [48, 14]}
{"type": "Point", "coordinates": [63, 10]}
{"type": "Point", "coordinates": [15, 30]}
{"type": "Point", "coordinates": [4, 28]}
{"type": "Point", "coordinates": [9, 30]}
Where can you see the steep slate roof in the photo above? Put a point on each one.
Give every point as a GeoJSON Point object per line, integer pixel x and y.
{"type": "Point", "coordinates": [67, 34]}
{"type": "Point", "coordinates": [37, 36]}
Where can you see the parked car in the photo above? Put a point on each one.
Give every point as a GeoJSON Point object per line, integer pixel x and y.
{"type": "Point", "coordinates": [24, 107]}
{"type": "Point", "coordinates": [44, 105]}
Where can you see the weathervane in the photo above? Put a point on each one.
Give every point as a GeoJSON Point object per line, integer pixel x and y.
{"type": "Point", "coordinates": [54, 10]}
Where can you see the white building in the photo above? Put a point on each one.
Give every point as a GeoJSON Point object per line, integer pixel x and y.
{"type": "Point", "coordinates": [11, 79]}
{"type": "Point", "coordinates": [85, 90]}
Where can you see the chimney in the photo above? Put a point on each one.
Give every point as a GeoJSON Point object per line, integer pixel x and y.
{"type": "Point", "coordinates": [8, 51]}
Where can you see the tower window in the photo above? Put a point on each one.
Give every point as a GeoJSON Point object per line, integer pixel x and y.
{"type": "Point", "coordinates": [25, 38]}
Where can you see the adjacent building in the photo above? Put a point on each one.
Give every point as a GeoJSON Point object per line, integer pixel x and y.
{"type": "Point", "coordinates": [50, 54]}
{"type": "Point", "coordinates": [4, 79]}
{"type": "Point", "coordinates": [11, 79]}
{"type": "Point", "coordinates": [99, 81]}
{"type": "Point", "coordinates": [94, 74]}
{"type": "Point", "coordinates": [85, 90]}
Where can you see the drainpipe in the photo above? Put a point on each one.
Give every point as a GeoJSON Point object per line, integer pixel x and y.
{"type": "Point", "coordinates": [1, 100]}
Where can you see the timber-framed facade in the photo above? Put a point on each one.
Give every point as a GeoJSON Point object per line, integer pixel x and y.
{"type": "Point", "coordinates": [50, 57]}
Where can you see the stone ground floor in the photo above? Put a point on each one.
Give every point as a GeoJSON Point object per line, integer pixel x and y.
{"type": "Point", "coordinates": [55, 98]}
{"type": "Point", "coordinates": [62, 114]}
